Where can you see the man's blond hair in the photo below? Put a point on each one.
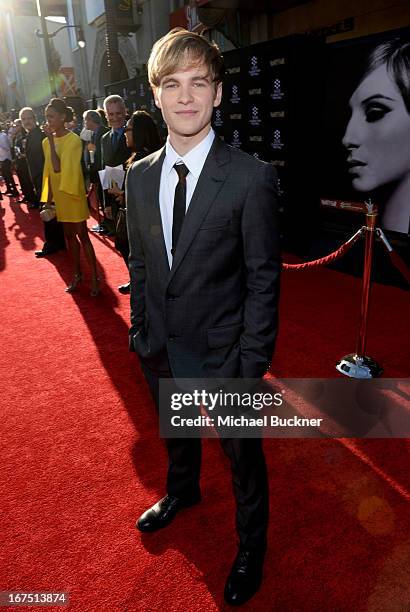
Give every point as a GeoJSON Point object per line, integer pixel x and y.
{"type": "Point", "coordinates": [179, 49]}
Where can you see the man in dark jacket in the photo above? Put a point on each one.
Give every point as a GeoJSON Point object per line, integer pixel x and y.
{"type": "Point", "coordinates": [93, 122]}
{"type": "Point", "coordinates": [114, 151]}
{"type": "Point", "coordinates": [53, 230]}
{"type": "Point", "coordinates": [204, 265]}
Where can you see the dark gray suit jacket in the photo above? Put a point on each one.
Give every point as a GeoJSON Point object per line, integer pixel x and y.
{"type": "Point", "coordinates": [34, 153]}
{"type": "Point", "coordinates": [113, 157]}
{"type": "Point", "coordinates": [216, 310]}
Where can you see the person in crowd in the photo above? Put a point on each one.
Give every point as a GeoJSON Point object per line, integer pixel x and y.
{"type": "Point", "coordinates": [74, 125]}
{"type": "Point", "coordinates": [93, 122]}
{"type": "Point", "coordinates": [114, 152]}
{"type": "Point", "coordinates": [377, 136]}
{"type": "Point", "coordinates": [103, 116]}
{"type": "Point", "coordinates": [18, 148]}
{"type": "Point", "coordinates": [204, 266]}
{"type": "Point", "coordinates": [5, 161]}
{"type": "Point", "coordinates": [63, 184]}
{"type": "Point", "coordinates": [53, 229]}
{"type": "Point", "coordinates": [92, 155]}
{"type": "Point", "coordinates": [142, 138]}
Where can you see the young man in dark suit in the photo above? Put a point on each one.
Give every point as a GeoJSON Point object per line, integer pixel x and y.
{"type": "Point", "coordinates": [204, 265]}
{"type": "Point", "coordinates": [114, 152]}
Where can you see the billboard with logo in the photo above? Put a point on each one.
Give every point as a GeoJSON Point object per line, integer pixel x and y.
{"type": "Point", "coordinates": [272, 99]}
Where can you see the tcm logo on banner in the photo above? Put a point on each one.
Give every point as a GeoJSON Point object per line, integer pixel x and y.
{"type": "Point", "coordinates": [254, 69]}
{"type": "Point", "coordinates": [235, 97]}
{"type": "Point", "coordinates": [66, 79]}
{"type": "Point", "coordinates": [255, 119]}
{"type": "Point", "coordinates": [218, 122]}
{"type": "Point", "coordinates": [236, 142]}
{"type": "Point", "coordinates": [277, 143]}
{"type": "Point", "coordinates": [277, 93]}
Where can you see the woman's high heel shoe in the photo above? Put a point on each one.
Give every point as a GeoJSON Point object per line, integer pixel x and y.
{"type": "Point", "coordinates": [95, 287]}
{"type": "Point", "coordinates": [74, 283]}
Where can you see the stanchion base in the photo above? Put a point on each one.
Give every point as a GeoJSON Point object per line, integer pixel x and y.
{"type": "Point", "coordinates": [359, 367]}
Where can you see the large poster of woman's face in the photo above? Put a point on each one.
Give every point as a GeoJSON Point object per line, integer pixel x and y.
{"type": "Point", "coordinates": [367, 121]}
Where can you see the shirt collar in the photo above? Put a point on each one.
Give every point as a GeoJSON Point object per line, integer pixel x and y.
{"type": "Point", "coordinates": [194, 160]}
{"type": "Point", "coordinates": [118, 130]}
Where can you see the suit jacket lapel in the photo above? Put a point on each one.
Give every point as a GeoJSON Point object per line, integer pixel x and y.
{"type": "Point", "coordinates": [108, 149]}
{"type": "Point", "coordinates": [152, 178]}
{"type": "Point", "coordinates": [211, 179]}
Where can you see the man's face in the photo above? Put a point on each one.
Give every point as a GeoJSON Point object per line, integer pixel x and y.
{"type": "Point", "coordinates": [187, 98]}
{"type": "Point", "coordinates": [28, 120]}
{"type": "Point", "coordinates": [115, 115]}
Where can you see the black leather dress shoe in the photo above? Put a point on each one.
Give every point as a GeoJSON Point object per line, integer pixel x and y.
{"type": "Point", "coordinates": [245, 577]}
{"type": "Point", "coordinates": [163, 512]}
{"type": "Point", "coordinates": [124, 289]}
{"type": "Point", "coordinates": [45, 253]}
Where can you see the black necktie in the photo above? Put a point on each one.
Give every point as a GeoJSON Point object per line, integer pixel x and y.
{"type": "Point", "coordinates": [179, 204]}
{"type": "Point", "coordinates": [114, 139]}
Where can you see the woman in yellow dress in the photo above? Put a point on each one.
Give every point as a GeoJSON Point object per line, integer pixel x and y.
{"type": "Point", "coordinates": [63, 184]}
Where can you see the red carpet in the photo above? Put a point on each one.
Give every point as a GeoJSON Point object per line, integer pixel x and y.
{"type": "Point", "coordinates": [81, 456]}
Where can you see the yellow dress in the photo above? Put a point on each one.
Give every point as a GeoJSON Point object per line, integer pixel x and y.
{"type": "Point", "coordinates": [67, 186]}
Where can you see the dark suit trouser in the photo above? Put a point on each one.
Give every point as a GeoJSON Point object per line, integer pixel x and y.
{"type": "Point", "coordinates": [53, 235]}
{"type": "Point", "coordinates": [8, 176]}
{"type": "Point", "coordinates": [25, 180]}
{"type": "Point", "coordinates": [53, 230]}
{"type": "Point", "coordinates": [248, 468]}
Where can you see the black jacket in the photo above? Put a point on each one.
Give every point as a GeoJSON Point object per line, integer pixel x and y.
{"type": "Point", "coordinates": [216, 310]}
{"type": "Point", "coordinates": [113, 157]}
{"type": "Point", "coordinates": [34, 152]}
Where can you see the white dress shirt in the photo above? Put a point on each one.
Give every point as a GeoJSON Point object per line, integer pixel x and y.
{"type": "Point", "coordinates": [194, 161]}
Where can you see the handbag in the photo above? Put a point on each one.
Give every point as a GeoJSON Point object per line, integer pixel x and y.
{"type": "Point", "coordinates": [48, 213]}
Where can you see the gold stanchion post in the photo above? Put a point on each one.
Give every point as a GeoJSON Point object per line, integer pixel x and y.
{"type": "Point", "coordinates": [358, 365]}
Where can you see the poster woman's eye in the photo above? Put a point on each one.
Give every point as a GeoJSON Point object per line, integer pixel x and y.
{"type": "Point", "coordinates": [375, 112]}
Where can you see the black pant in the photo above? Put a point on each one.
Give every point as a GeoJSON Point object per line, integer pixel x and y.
{"type": "Point", "coordinates": [248, 469]}
{"type": "Point", "coordinates": [25, 181]}
{"type": "Point", "coordinates": [53, 230]}
{"type": "Point", "coordinates": [53, 236]}
{"type": "Point", "coordinates": [8, 176]}
{"type": "Point", "coordinates": [121, 237]}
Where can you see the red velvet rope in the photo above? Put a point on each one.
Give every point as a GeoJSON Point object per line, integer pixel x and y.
{"type": "Point", "coordinates": [329, 258]}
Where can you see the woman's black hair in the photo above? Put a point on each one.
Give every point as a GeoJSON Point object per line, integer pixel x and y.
{"type": "Point", "coordinates": [103, 116]}
{"type": "Point", "coordinates": [61, 108]}
{"type": "Point", "coordinates": [145, 135]}
{"type": "Point", "coordinates": [396, 55]}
